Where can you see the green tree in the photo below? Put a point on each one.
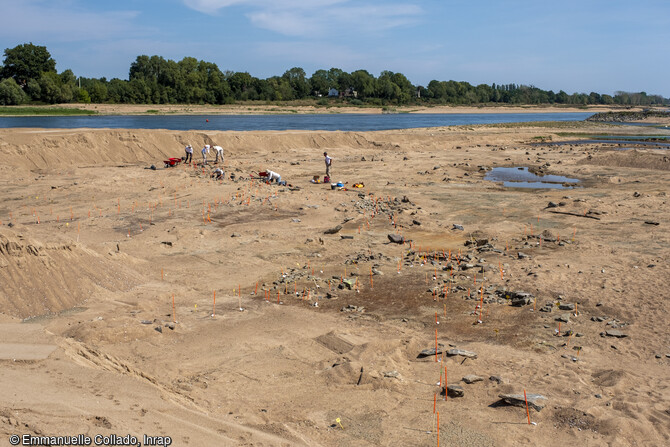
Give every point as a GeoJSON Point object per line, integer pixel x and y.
{"type": "Point", "coordinates": [297, 81]}
{"type": "Point", "coordinates": [319, 82]}
{"type": "Point", "coordinates": [11, 93]}
{"type": "Point", "coordinates": [27, 61]}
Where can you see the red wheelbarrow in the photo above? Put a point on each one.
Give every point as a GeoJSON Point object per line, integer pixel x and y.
{"type": "Point", "coordinates": [171, 162]}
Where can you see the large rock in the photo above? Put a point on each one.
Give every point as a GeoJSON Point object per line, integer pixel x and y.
{"type": "Point", "coordinates": [535, 401]}
{"type": "Point", "coordinates": [615, 333]}
{"type": "Point", "coordinates": [396, 238]}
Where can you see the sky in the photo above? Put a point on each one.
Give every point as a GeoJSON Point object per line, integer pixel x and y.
{"type": "Point", "coordinates": [572, 45]}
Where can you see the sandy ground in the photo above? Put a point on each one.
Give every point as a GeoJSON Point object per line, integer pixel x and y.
{"type": "Point", "coordinates": [254, 108]}
{"type": "Point", "coordinates": [166, 303]}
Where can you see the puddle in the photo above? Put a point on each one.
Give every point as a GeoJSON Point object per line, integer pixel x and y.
{"type": "Point", "coordinates": [522, 178]}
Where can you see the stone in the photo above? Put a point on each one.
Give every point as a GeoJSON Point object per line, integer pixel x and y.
{"type": "Point", "coordinates": [454, 391]}
{"type": "Point", "coordinates": [552, 205]}
{"type": "Point", "coordinates": [471, 378]}
{"type": "Point", "coordinates": [523, 255]}
{"type": "Point", "coordinates": [236, 235]}
{"type": "Point", "coordinates": [458, 227]}
{"type": "Point", "coordinates": [535, 401]}
{"type": "Point", "coordinates": [430, 352]}
{"type": "Point", "coordinates": [462, 352]}
{"type": "Point", "coordinates": [170, 325]}
{"type": "Point", "coordinates": [615, 333]}
{"type": "Point", "coordinates": [497, 379]}
{"type": "Point", "coordinates": [392, 374]}
{"type": "Point", "coordinates": [396, 238]}
{"type": "Point", "coordinates": [416, 222]}
{"type": "Point", "coordinates": [158, 329]}
{"type": "Point", "coordinates": [333, 230]}
{"type": "Point", "coordinates": [294, 220]}
{"type": "Point", "coordinates": [566, 306]}
{"type": "Point", "coordinates": [519, 299]}
{"type": "Point", "coordinates": [563, 318]}
{"type": "Point", "coordinates": [347, 236]}
{"type": "Point", "coordinates": [146, 321]}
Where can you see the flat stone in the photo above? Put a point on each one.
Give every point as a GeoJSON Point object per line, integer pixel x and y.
{"type": "Point", "coordinates": [564, 318]}
{"type": "Point", "coordinates": [454, 391]}
{"type": "Point", "coordinates": [522, 255]}
{"type": "Point", "coordinates": [333, 230]}
{"type": "Point", "coordinates": [430, 352]}
{"type": "Point", "coordinates": [615, 333]}
{"type": "Point", "coordinates": [566, 306]}
{"type": "Point", "coordinates": [471, 378]}
{"type": "Point", "coordinates": [551, 205]}
{"type": "Point", "coordinates": [462, 353]}
{"type": "Point", "coordinates": [458, 227]}
{"type": "Point", "coordinates": [497, 379]}
{"type": "Point", "coordinates": [396, 238]}
{"type": "Point", "coordinates": [535, 401]}
{"type": "Point", "coordinates": [392, 374]}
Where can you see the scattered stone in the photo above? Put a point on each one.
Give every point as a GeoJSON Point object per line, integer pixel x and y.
{"type": "Point", "coordinates": [168, 243]}
{"type": "Point", "coordinates": [146, 322]}
{"type": "Point", "coordinates": [535, 401]}
{"type": "Point", "coordinates": [462, 352]}
{"type": "Point", "coordinates": [598, 396]}
{"type": "Point", "coordinates": [346, 237]}
{"type": "Point", "coordinates": [658, 356]}
{"type": "Point", "coordinates": [552, 205]}
{"type": "Point", "coordinates": [170, 325]}
{"type": "Point", "coordinates": [636, 194]}
{"type": "Point", "coordinates": [392, 374]}
{"type": "Point", "coordinates": [295, 220]}
{"type": "Point", "coordinates": [615, 333]}
{"type": "Point", "coordinates": [405, 200]}
{"type": "Point", "coordinates": [458, 227]}
{"type": "Point", "coordinates": [651, 222]}
{"type": "Point", "coordinates": [471, 378]}
{"type": "Point", "coordinates": [236, 235]}
{"type": "Point", "coordinates": [566, 306]}
{"type": "Point", "coordinates": [454, 391]}
{"type": "Point", "coordinates": [396, 238]}
{"type": "Point", "coordinates": [333, 230]}
{"type": "Point", "coordinates": [523, 255]}
{"type": "Point", "coordinates": [547, 307]}
{"type": "Point", "coordinates": [416, 222]}
{"type": "Point", "coordinates": [497, 379]}
{"type": "Point", "coordinates": [159, 329]}
{"type": "Point", "coordinates": [519, 299]}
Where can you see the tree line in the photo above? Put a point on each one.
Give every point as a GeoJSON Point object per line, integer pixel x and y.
{"type": "Point", "coordinates": [28, 75]}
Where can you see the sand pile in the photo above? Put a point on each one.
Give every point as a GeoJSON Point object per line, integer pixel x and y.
{"type": "Point", "coordinates": [41, 278]}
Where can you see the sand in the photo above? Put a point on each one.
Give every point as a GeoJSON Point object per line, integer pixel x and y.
{"type": "Point", "coordinates": [101, 247]}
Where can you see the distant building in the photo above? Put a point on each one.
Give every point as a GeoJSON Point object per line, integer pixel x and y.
{"type": "Point", "coordinates": [333, 92]}
{"type": "Point", "coordinates": [349, 93]}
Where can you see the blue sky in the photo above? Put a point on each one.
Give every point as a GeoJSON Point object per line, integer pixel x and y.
{"type": "Point", "coordinates": [571, 45]}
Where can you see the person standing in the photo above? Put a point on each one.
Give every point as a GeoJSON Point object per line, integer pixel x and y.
{"type": "Point", "coordinates": [205, 151]}
{"type": "Point", "coordinates": [329, 162]}
{"type": "Point", "coordinates": [219, 153]}
{"type": "Point", "coordinates": [189, 154]}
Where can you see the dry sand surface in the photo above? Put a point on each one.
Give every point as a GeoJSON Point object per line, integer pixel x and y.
{"type": "Point", "coordinates": [109, 270]}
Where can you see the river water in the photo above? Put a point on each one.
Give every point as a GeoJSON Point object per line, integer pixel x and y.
{"type": "Point", "coordinates": [343, 122]}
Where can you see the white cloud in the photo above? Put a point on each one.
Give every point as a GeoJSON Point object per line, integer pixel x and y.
{"type": "Point", "coordinates": [318, 18]}
{"type": "Point", "coordinates": [34, 20]}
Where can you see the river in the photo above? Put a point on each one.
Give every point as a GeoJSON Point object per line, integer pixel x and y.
{"type": "Point", "coordinates": [343, 122]}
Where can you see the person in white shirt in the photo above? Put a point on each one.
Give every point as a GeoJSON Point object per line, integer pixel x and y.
{"type": "Point", "coordinates": [273, 176]}
{"type": "Point", "coordinates": [205, 151]}
{"type": "Point", "coordinates": [219, 153]}
{"type": "Point", "coordinates": [329, 162]}
{"type": "Point", "coordinates": [189, 154]}
{"type": "Point", "coordinates": [218, 173]}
